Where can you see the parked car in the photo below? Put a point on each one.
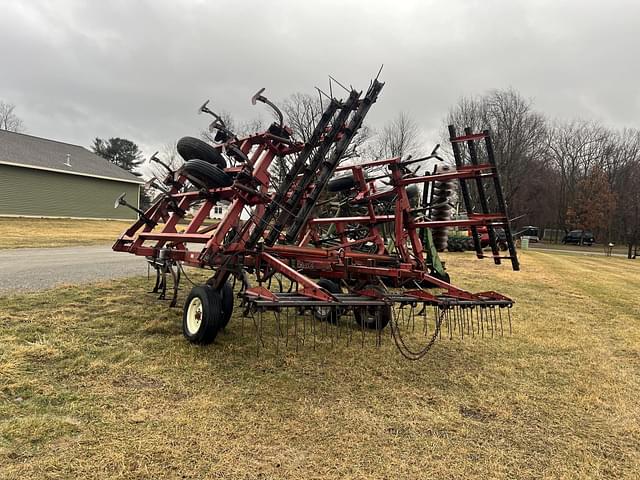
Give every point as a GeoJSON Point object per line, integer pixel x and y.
{"type": "Point", "coordinates": [529, 231]}
{"type": "Point", "coordinates": [577, 237]}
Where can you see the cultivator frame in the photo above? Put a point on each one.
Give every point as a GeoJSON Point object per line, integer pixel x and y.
{"type": "Point", "coordinates": [281, 237]}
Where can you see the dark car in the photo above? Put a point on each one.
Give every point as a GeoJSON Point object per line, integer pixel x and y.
{"type": "Point", "coordinates": [577, 237]}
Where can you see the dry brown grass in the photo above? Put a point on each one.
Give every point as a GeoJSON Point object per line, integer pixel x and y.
{"type": "Point", "coordinates": [58, 232]}
{"type": "Point", "coordinates": [97, 382]}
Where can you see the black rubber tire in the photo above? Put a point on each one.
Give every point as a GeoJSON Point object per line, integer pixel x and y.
{"type": "Point", "coordinates": [373, 317]}
{"type": "Point", "coordinates": [190, 148]}
{"type": "Point", "coordinates": [208, 307]}
{"type": "Point", "coordinates": [327, 314]}
{"type": "Point", "coordinates": [226, 295]}
{"type": "Point", "coordinates": [204, 174]}
{"type": "Point", "coordinates": [340, 184]}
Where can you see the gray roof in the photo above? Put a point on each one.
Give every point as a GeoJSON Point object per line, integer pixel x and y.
{"type": "Point", "coordinates": [43, 154]}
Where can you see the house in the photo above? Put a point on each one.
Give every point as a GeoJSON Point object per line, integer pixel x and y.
{"type": "Point", "coordinates": [218, 211]}
{"type": "Point", "coordinates": [47, 178]}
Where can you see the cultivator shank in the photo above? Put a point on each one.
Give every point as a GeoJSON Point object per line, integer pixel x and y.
{"type": "Point", "coordinates": [335, 239]}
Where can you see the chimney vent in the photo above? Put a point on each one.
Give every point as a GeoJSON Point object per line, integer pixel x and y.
{"type": "Point", "coordinates": [68, 162]}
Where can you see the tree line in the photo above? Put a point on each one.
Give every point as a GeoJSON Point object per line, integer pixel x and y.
{"type": "Point", "coordinates": [562, 174]}
{"type": "Point", "coordinates": [565, 174]}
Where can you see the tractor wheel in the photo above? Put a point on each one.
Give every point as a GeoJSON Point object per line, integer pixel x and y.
{"type": "Point", "coordinates": [340, 184]}
{"type": "Point", "coordinates": [373, 317]}
{"type": "Point", "coordinates": [202, 315]}
{"type": "Point", "coordinates": [327, 314]}
{"type": "Point", "coordinates": [190, 148]}
{"type": "Point", "coordinates": [205, 174]}
{"type": "Point", "coordinates": [226, 295]}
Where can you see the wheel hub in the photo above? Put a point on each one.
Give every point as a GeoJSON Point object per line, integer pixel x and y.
{"type": "Point", "coordinates": [194, 315]}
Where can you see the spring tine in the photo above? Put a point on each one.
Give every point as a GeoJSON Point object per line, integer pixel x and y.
{"type": "Point", "coordinates": [509, 314]}
{"type": "Point", "coordinates": [163, 291]}
{"type": "Point", "coordinates": [413, 318]}
{"type": "Point", "coordinates": [295, 332]}
{"type": "Point", "coordinates": [176, 285]}
{"type": "Point", "coordinates": [479, 313]}
{"type": "Point", "coordinates": [494, 319]}
{"type": "Point", "coordinates": [255, 327]}
{"type": "Point", "coordinates": [304, 328]}
{"type": "Point", "coordinates": [286, 340]}
{"type": "Point", "coordinates": [313, 330]}
{"type": "Point", "coordinates": [261, 328]}
{"type": "Point", "coordinates": [494, 314]}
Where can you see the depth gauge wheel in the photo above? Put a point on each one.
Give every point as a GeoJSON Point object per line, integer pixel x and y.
{"type": "Point", "coordinates": [202, 316]}
{"type": "Point", "coordinates": [373, 317]}
{"type": "Point", "coordinates": [327, 314]}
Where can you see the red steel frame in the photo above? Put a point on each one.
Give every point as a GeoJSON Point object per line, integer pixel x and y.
{"type": "Point", "coordinates": [299, 262]}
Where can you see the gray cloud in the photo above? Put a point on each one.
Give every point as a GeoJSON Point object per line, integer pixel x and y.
{"type": "Point", "coordinates": [81, 69]}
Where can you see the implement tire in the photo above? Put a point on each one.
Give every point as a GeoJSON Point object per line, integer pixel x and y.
{"type": "Point", "coordinates": [327, 314]}
{"type": "Point", "coordinates": [340, 184]}
{"type": "Point", "coordinates": [202, 315]}
{"type": "Point", "coordinates": [226, 296]}
{"type": "Point", "coordinates": [204, 174]}
{"type": "Point", "coordinates": [190, 148]}
{"type": "Point", "coordinates": [373, 317]}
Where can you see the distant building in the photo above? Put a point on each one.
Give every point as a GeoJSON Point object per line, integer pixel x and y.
{"type": "Point", "coordinates": [218, 211]}
{"type": "Point", "coordinates": [46, 178]}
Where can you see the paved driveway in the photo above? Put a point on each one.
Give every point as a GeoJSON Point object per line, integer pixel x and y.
{"type": "Point", "coordinates": [29, 269]}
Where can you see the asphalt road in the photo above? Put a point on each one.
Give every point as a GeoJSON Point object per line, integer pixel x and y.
{"type": "Point", "coordinates": [590, 251]}
{"type": "Point", "coordinates": [30, 269]}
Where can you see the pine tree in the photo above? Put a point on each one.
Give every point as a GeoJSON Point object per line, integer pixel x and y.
{"type": "Point", "coordinates": [119, 151]}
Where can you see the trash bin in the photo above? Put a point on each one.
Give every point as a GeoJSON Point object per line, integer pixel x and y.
{"type": "Point", "coordinates": [524, 242]}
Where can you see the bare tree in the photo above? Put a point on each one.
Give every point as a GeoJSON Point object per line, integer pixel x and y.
{"type": "Point", "coordinates": [399, 137]}
{"type": "Point", "coordinates": [8, 119]}
{"type": "Point", "coordinates": [301, 112]}
{"type": "Point", "coordinates": [575, 148]}
{"type": "Point", "coordinates": [519, 138]}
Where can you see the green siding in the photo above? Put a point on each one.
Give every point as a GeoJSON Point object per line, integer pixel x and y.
{"type": "Point", "coordinates": [40, 193]}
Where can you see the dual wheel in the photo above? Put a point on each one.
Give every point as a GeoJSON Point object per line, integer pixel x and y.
{"type": "Point", "coordinates": [372, 317]}
{"type": "Point", "coordinates": [206, 312]}
{"type": "Point", "coordinates": [204, 164]}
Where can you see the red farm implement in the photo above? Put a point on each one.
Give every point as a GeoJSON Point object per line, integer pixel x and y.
{"type": "Point", "coordinates": [332, 239]}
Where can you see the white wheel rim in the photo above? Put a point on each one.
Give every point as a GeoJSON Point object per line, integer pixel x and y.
{"type": "Point", "coordinates": [194, 315]}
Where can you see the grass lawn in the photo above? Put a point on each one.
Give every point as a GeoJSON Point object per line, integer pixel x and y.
{"type": "Point", "coordinates": [97, 382]}
{"type": "Point", "coordinates": [58, 232]}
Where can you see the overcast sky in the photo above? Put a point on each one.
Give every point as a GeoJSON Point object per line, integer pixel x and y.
{"type": "Point", "coordinates": [139, 69]}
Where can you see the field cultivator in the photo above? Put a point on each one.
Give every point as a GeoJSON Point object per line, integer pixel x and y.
{"type": "Point", "coordinates": [321, 239]}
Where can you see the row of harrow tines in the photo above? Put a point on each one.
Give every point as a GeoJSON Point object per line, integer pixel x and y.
{"type": "Point", "coordinates": [303, 232]}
